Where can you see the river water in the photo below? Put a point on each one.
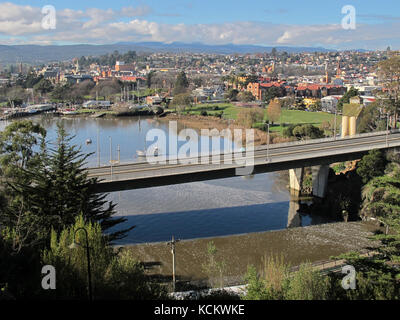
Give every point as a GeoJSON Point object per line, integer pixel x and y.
{"type": "Point", "coordinates": [213, 208]}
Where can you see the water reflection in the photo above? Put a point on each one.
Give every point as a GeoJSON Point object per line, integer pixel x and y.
{"type": "Point", "coordinates": [195, 210]}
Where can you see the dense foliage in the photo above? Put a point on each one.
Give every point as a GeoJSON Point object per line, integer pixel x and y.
{"type": "Point", "coordinates": [42, 189]}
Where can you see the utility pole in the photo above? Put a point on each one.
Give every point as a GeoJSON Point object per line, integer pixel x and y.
{"type": "Point", "coordinates": [172, 244]}
{"type": "Point", "coordinates": [268, 159]}
{"type": "Point", "coordinates": [111, 162]}
{"type": "Point", "coordinates": [98, 147]}
{"type": "Point", "coordinates": [335, 123]}
{"type": "Point", "coordinates": [387, 130]}
{"type": "Point", "coordinates": [119, 153]}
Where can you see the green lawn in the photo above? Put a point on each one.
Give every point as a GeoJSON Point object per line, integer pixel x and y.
{"type": "Point", "coordinates": [229, 110]}
{"type": "Point", "coordinates": [315, 118]}
{"type": "Point", "coordinates": [288, 116]}
{"type": "Point", "coordinates": [303, 117]}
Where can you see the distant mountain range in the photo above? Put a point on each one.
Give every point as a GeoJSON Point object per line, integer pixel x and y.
{"type": "Point", "coordinates": [35, 54]}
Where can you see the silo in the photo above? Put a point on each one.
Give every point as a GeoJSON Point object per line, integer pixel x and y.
{"type": "Point", "coordinates": [345, 126]}
{"type": "Point", "coordinates": [353, 126]}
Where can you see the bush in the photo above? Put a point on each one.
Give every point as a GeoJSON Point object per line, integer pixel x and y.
{"type": "Point", "coordinates": [277, 283]}
{"type": "Point", "coordinates": [308, 284]}
{"type": "Point", "coordinates": [204, 113]}
{"type": "Point", "coordinates": [115, 274]}
{"type": "Point", "coordinates": [372, 165]}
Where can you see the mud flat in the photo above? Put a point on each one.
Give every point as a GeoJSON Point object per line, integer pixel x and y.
{"type": "Point", "coordinates": [297, 245]}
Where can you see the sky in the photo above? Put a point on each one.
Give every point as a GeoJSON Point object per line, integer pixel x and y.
{"type": "Point", "coordinates": [375, 24]}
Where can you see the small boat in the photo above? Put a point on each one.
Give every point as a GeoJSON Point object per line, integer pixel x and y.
{"type": "Point", "coordinates": [89, 141]}
{"type": "Point", "coordinates": [69, 112]}
{"type": "Point", "coordinates": [141, 153]}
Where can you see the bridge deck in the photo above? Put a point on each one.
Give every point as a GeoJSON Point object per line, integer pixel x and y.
{"type": "Point", "coordinates": [280, 157]}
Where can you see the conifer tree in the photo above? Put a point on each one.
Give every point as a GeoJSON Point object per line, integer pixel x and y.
{"type": "Point", "coordinates": [61, 190]}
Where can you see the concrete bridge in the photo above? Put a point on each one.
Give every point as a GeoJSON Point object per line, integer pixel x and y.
{"type": "Point", "coordinates": [318, 154]}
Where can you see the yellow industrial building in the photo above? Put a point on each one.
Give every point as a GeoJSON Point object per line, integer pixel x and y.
{"type": "Point", "coordinates": [351, 116]}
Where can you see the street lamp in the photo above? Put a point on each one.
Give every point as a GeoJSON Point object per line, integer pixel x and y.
{"type": "Point", "coordinates": [268, 159]}
{"type": "Point", "coordinates": [387, 130]}
{"type": "Point", "coordinates": [98, 147]}
{"type": "Point", "coordinates": [75, 245]}
{"type": "Point", "coordinates": [335, 123]}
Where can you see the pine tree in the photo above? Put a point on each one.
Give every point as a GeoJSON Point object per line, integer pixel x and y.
{"type": "Point", "coordinates": [61, 190]}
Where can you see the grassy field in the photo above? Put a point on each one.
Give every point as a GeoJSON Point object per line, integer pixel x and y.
{"type": "Point", "coordinates": [305, 117]}
{"type": "Point", "coordinates": [229, 111]}
{"type": "Point", "coordinates": [288, 116]}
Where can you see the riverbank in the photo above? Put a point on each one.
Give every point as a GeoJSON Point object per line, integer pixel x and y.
{"type": "Point", "coordinates": [297, 245]}
{"type": "Point", "coordinates": [209, 122]}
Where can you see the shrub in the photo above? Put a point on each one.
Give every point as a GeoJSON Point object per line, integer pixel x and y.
{"type": "Point", "coordinates": [115, 274]}
{"type": "Point", "coordinates": [307, 284]}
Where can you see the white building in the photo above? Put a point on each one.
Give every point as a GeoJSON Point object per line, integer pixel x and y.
{"type": "Point", "coordinates": [329, 103]}
{"type": "Point", "coordinates": [96, 104]}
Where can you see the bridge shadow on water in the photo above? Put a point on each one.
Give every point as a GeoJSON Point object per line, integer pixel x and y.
{"type": "Point", "coordinates": [216, 222]}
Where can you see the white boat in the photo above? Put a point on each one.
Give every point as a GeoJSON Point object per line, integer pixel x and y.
{"type": "Point", "coordinates": [88, 141]}
{"type": "Point", "coordinates": [141, 153]}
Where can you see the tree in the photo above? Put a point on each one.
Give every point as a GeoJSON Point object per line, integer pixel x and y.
{"type": "Point", "coordinates": [247, 117]}
{"type": "Point", "coordinates": [370, 119]}
{"type": "Point", "coordinates": [274, 111]}
{"type": "Point", "coordinates": [389, 72]}
{"type": "Point", "coordinates": [317, 106]}
{"type": "Point", "coordinates": [245, 96]}
{"type": "Point", "coordinates": [21, 149]}
{"type": "Point", "coordinates": [303, 131]}
{"type": "Point", "coordinates": [272, 93]}
{"type": "Point", "coordinates": [149, 79]}
{"type": "Point", "coordinates": [115, 273]}
{"type": "Point", "coordinates": [232, 94]}
{"type": "Point", "coordinates": [106, 88]}
{"type": "Point", "coordinates": [16, 96]}
{"type": "Point", "coordinates": [214, 268]}
{"type": "Point", "coordinates": [371, 165]}
{"type": "Point", "coordinates": [44, 86]}
{"type": "Point", "coordinates": [59, 190]}
{"type": "Point", "coordinates": [307, 131]}
{"type": "Point", "coordinates": [61, 93]}
{"type": "Point", "coordinates": [18, 142]}
{"type": "Point", "coordinates": [181, 101]}
{"type": "Point", "coordinates": [352, 92]}
{"type": "Point", "coordinates": [181, 83]}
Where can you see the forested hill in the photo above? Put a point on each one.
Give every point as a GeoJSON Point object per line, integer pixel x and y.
{"type": "Point", "coordinates": [43, 54]}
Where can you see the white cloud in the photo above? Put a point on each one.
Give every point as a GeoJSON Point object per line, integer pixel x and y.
{"type": "Point", "coordinates": [23, 24]}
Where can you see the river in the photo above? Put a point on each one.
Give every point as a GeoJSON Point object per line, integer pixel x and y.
{"type": "Point", "coordinates": [213, 208]}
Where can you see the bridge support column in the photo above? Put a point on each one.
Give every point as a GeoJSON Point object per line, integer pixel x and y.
{"type": "Point", "coordinates": [296, 180]}
{"type": "Point", "coordinates": [320, 180]}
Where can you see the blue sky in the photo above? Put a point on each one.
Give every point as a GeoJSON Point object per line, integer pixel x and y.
{"type": "Point", "coordinates": [262, 22]}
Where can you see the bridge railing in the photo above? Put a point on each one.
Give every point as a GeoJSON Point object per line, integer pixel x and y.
{"type": "Point", "coordinates": [330, 139]}
{"type": "Point", "coordinates": [279, 145]}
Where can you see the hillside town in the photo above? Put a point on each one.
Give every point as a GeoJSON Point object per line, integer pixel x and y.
{"type": "Point", "coordinates": [312, 79]}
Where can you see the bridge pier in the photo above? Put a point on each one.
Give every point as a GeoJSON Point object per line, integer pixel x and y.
{"type": "Point", "coordinates": [320, 180]}
{"type": "Point", "coordinates": [296, 180]}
